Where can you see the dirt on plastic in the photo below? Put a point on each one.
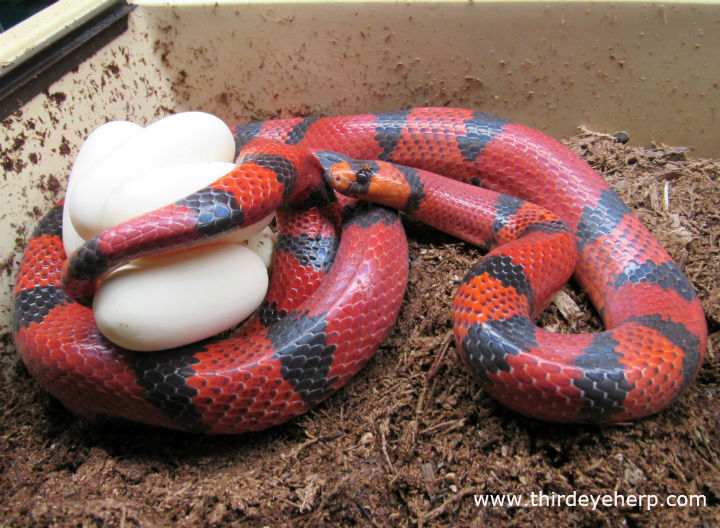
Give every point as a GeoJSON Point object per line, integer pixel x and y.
{"type": "Point", "coordinates": [412, 440]}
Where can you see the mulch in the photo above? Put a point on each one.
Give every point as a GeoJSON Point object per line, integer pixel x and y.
{"type": "Point", "coordinates": [412, 440]}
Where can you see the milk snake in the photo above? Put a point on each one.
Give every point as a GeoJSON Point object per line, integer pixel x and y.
{"type": "Point", "coordinates": [341, 267]}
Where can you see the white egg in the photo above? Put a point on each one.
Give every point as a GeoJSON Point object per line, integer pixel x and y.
{"type": "Point", "coordinates": [172, 299]}
{"type": "Point", "coordinates": [99, 143]}
{"type": "Point", "coordinates": [165, 185]}
{"type": "Point", "coordinates": [181, 297]}
{"type": "Point", "coordinates": [187, 137]}
{"type": "Point", "coordinates": [157, 187]}
{"type": "Point", "coordinates": [263, 243]}
{"type": "Point", "coordinates": [249, 233]}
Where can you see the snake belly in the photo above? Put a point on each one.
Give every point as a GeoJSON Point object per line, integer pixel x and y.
{"type": "Point", "coordinates": [300, 349]}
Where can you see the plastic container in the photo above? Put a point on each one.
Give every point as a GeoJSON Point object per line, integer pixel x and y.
{"type": "Point", "coordinates": [649, 69]}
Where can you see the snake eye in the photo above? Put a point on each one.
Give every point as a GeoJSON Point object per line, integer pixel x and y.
{"type": "Point", "coordinates": [363, 176]}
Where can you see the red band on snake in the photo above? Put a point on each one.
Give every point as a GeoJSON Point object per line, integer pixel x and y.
{"type": "Point", "coordinates": [331, 304]}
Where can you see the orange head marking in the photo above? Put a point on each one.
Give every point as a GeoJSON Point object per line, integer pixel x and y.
{"type": "Point", "coordinates": [339, 176]}
{"type": "Point", "coordinates": [375, 181]}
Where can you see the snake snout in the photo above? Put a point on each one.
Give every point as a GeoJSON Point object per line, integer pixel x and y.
{"type": "Point", "coordinates": [342, 177]}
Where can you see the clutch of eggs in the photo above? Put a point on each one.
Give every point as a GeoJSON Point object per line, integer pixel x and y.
{"type": "Point", "coordinates": [164, 301]}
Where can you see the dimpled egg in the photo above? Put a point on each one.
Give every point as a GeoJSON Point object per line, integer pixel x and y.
{"type": "Point", "coordinates": [98, 144]}
{"type": "Point", "coordinates": [176, 298]}
{"type": "Point", "coordinates": [165, 185]}
{"type": "Point", "coordinates": [188, 137]}
{"type": "Point", "coordinates": [181, 297]}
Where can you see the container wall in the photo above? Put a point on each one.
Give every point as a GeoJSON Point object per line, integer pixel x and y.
{"type": "Point", "coordinates": [648, 69]}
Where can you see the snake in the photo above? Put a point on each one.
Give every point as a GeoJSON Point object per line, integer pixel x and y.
{"type": "Point", "coordinates": [340, 186]}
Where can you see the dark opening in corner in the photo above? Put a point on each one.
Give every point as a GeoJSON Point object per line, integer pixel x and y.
{"type": "Point", "coordinates": [38, 72]}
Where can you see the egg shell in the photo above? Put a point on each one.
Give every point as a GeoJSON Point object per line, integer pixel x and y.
{"type": "Point", "coordinates": [99, 143]}
{"type": "Point", "coordinates": [245, 235]}
{"type": "Point", "coordinates": [150, 190]}
{"type": "Point", "coordinates": [187, 137]}
{"type": "Point", "coordinates": [181, 297]}
{"type": "Point", "coordinates": [263, 243]}
{"type": "Point", "coordinates": [165, 185]}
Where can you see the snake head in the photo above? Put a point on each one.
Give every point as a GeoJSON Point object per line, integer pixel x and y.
{"type": "Point", "coordinates": [375, 181]}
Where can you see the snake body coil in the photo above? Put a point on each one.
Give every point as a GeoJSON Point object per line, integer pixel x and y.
{"type": "Point", "coordinates": [340, 271]}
